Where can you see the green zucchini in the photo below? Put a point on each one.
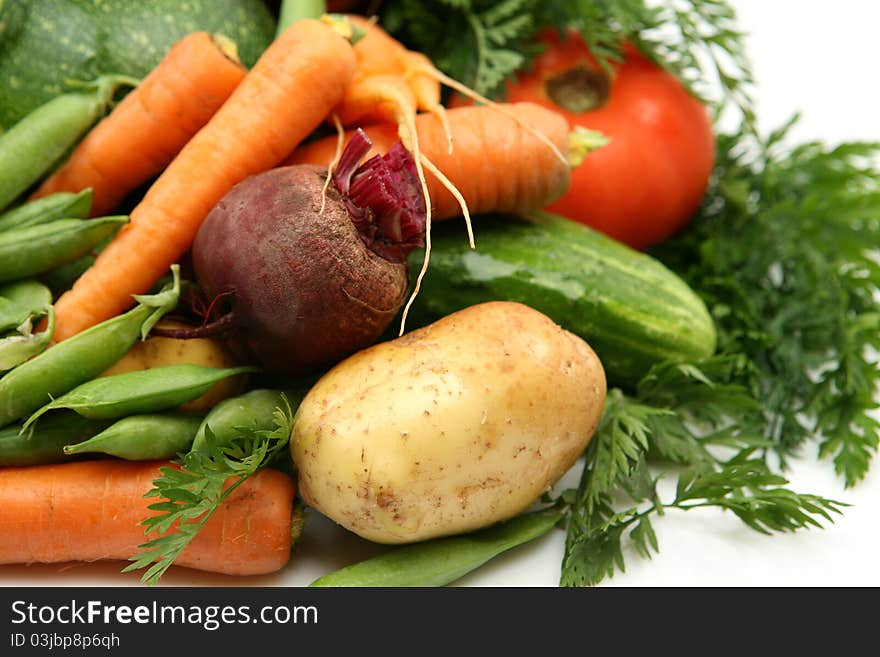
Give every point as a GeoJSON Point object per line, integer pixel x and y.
{"type": "Point", "coordinates": [12, 17]}
{"type": "Point", "coordinates": [44, 43]}
{"type": "Point", "coordinates": [631, 309]}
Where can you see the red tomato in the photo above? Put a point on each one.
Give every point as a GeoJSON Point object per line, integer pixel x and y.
{"type": "Point", "coordinates": [647, 183]}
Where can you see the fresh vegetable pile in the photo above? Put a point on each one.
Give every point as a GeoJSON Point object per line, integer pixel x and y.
{"type": "Point", "coordinates": [407, 273]}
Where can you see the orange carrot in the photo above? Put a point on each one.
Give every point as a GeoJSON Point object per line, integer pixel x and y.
{"type": "Point", "coordinates": [498, 164]}
{"type": "Point", "coordinates": [92, 510]}
{"type": "Point", "coordinates": [152, 124]}
{"type": "Point", "coordinates": [426, 88]}
{"type": "Point", "coordinates": [380, 54]}
{"type": "Point", "coordinates": [284, 97]}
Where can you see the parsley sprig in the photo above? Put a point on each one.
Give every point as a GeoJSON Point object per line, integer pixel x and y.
{"type": "Point", "coordinates": [206, 477]}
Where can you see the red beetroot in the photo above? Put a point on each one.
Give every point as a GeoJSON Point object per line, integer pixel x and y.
{"type": "Point", "coordinates": [309, 287]}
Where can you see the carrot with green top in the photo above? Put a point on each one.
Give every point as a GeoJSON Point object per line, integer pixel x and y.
{"type": "Point", "coordinates": [142, 134]}
{"type": "Point", "coordinates": [282, 99]}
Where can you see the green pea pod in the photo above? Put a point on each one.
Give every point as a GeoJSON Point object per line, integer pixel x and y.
{"type": "Point", "coordinates": [443, 560]}
{"type": "Point", "coordinates": [82, 357]}
{"type": "Point", "coordinates": [140, 391]}
{"type": "Point", "coordinates": [253, 410]}
{"type": "Point", "coordinates": [46, 443]}
{"type": "Point", "coordinates": [30, 148]}
{"type": "Point", "coordinates": [25, 252]}
{"type": "Point", "coordinates": [16, 349]}
{"type": "Point", "coordinates": [143, 437]}
{"type": "Point", "coordinates": [61, 205]}
{"type": "Point", "coordinates": [20, 301]}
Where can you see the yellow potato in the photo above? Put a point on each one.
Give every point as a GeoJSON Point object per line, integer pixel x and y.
{"type": "Point", "coordinates": [159, 351]}
{"type": "Point", "coordinates": [449, 428]}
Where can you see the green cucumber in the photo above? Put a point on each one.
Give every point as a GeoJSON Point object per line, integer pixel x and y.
{"type": "Point", "coordinates": [44, 43]}
{"type": "Point", "coordinates": [631, 309]}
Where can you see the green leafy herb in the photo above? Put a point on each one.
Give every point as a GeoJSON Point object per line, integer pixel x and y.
{"type": "Point", "coordinates": [618, 493]}
{"type": "Point", "coordinates": [785, 254]}
{"type": "Point", "coordinates": [191, 494]}
{"type": "Point", "coordinates": [484, 42]}
{"type": "Point", "coordinates": [478, 42]}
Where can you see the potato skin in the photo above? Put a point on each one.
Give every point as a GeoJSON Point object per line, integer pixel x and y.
{"type": "Point", "coordinates": [452, 427]}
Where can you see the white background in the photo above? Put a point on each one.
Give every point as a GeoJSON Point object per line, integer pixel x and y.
{"type": "Point", "coordinates": [808, 56]}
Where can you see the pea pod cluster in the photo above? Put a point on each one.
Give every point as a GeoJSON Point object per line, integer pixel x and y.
{"type": "Point", "coordinates": [64, 434]}
{"type": "Point", "coordinates": [142, 437]}
{"type": "Point", "coordinates": [251, 410]}
{"type": "Point", "coordinates": [79, 359]}
{"type": "Point", "coordinates": [167, 435]}
{"type": "Point", "coordinates": [45, 444]}
{"type": "Point", "coordinates": [21, 301]}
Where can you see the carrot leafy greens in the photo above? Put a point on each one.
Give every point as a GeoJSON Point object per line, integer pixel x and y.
{"type": "Point", "coordinates": [679, 423]}
{"type": "Point", "coordinates": [193, 492]}
{"type": "Point", "coordinates": [785, 252]}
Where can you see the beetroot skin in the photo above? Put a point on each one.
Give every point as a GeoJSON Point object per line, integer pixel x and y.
{"type": "Point", "coordinates": [307, 290]}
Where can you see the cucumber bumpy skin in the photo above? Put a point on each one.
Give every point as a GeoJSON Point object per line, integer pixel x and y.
{"type": "Point", "coordinates": [631, 309]}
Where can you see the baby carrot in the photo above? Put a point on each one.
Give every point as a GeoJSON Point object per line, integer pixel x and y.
{"type": "Point", "coordinates": [152, 124]}
{"type": "Point", "coordinates": [379, 55]}
{"type": "Point", "coordinates": [92, 510]}
{"type": "Point", "coordinates": [281, 100]}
